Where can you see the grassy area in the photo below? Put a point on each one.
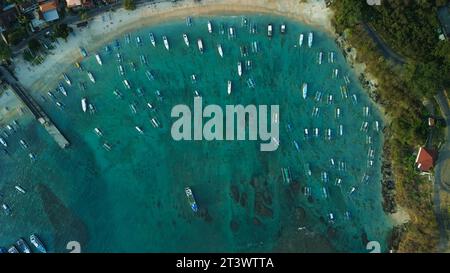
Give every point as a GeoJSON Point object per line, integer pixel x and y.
{"type": "Point", "coordinates": [411, 30]}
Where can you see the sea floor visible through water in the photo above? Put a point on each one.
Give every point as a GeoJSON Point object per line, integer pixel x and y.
{"type": "Point", "coordinates": [132, 199]}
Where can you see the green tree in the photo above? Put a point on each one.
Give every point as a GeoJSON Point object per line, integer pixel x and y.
{"type": "Point", "coordinates": [129, 4]}
{"type": "Point", "coordinates": [5, 51]}
{"type": "Point", "coordinates": [34, 45]}
{"type": "Point", "coordinates": [61, 31]}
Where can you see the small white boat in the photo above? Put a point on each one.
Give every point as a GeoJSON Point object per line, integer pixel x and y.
{"type": "Point", "coordinates": [338, 113]}
{"type": "Point", "coordinates": [149, 75]}
{"type": "Point", "coordinates": [155, 122]}
{"type": "Point", "coordinates": [210, 29]}
{"type": "Point", "coordinates": [138, 40]}
{"type": "Point", "coordinates": [231, 32]}
{"type": "Point", "coordinates": [166, 42]}
{"type": "Point", "coordinates": [152, 39]}
{"type": "Point", "coordinates": [106, 146]}
{"type": "Point", "coordinates": [269, 30]}
{"type": "Point", "coordinates": [341, 130]}
{"type": "Point", "coordinates": [84, 104]}
{"type": "Point", "coordinates": [127, 84]}
{"type": "Point", "coordinates": [300, 39]}
{"type": "Point", "coordinates": [139, 129]}
{"type": "Point", "coordinates": [310, 39]}
{"type": "Point", "coordinates": [117, 94]}
{"type": "Point", "coordinates": [99, 59]}
{"type": "Point", "coordinates": [320, 57]}
{"type": "Point", "coordinates": [3, 142]}
{"type": "Point", "coordinates": [196, 93]}
{"type": "Point", "coordinates": [23, 144]}
{"type": "Point", "coordinates": [121, 70]}
{"type": "Point", "coordinates": [98, 132]}
{"type": "Point", "coordinates": [200, 45]}
{"type": "Point", "coordinates": [186, 39]}
{"type": "Point", "coordinates": [219, 49]}
{"type": "Point", "coordinates": [193, 78]}
{"type": "Point", "coordinates": [150, 106]}
{"type": "Point", "coordinates": [20, 189]}
{"type": "Point", "coordinates": [283, 28]}
{"type": "Point", "coordinates": [305, 90]}
{"type": "Point", "coordinates": [239, 69]}
{"type": "Point", "coordinates": [91, 77]}
{"type": "Point", "coordinates": [62, 89]}
{"type": "Point", "coordinates": [66, 78]}
{"type": "Point", "coordinates": [229, 88]}
{"type": "Point", "coordinates": [377, 126]}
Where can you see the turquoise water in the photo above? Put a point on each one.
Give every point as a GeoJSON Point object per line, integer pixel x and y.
{"type": "Point", "coordinates": [132, 198]}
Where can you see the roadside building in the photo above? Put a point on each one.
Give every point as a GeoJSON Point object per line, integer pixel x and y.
{"type": "Point", "coordinates": [49, 11]}
{"type": "Point", "coordinates": [8, 18]}
{"type": "Point", "coordinates": [74, 3]}
{"type": "Point", "coordinates": [425, 159]}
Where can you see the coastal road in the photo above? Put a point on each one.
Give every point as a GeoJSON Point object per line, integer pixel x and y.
{"type": "Point", "coordinates": [385, 49]}
{"type": "Point", "coordinates": [442, 175]}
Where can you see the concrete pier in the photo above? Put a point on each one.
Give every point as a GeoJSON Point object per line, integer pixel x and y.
{"type": "Point", "coordinates": [34, 108]}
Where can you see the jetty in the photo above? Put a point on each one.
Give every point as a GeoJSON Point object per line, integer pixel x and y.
{"type": "Point", "coordinates": [39, 114]}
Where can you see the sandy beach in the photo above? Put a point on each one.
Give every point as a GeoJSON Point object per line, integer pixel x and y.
{"type": "Point", "coordinates": [105, 27]}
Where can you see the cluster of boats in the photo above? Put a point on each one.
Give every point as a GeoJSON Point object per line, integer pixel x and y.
{"type": "Point", "coordinates": [22, 246]}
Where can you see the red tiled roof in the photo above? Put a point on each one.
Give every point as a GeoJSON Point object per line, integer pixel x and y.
{"type": "Point", "coordinates": [47, 6]}
{"type": "Point", "coordinates": [425, 159]}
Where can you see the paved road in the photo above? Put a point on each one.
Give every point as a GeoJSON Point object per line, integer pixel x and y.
{"type": "Point", "coordinates": [385, 49]}
{"type": "Point", "coordinates": [442, 175]}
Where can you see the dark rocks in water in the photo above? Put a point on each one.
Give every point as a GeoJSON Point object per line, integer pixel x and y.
{"type": "Point", "coordinates": [300, 214]}
{"type": "Point", "coordinates": [204, 214]}
{"type": "Point", "coordinates": [254, 183]}
{"type": "Point", "coordinates": [310, 199]}
{"type": "Point", "coordinates": [267, 198]}
{"type": "Point", "coordinates": [261, 209]}
{"type": "Point", "coordinates": [234, 193]}
{"type": "Point", "coordinates": [63, 219]}
{"type": "Point", "coordinates": [234, 225]}
{"type": "Point", "coordinates": [256, 221]}
{"type": "Point", "coordinates": [364, 238]}
{"type": "Point", "coordinates": [331, 232]}
{"type": "Point", "coordinates": [244, 199]}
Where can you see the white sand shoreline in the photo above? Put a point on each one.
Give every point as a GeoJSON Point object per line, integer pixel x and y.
{"type": "Point", "coordinates": [99, 31]}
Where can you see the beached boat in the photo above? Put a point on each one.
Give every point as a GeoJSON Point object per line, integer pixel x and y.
{"type": "Point", "coordinates": [239, 66]}
{"type": "Point", "coordinates": [37, 243]}
{"type": "Point", "coordinates": [83, 52]}
{"type": "Point", "coordinates": [3, 142]}
{"type": "Point", "coordinates": [269, 30]}
{"type": "Point", "coordinates": [229, 88]}
{"type": "Point", "coordinates": [23, 246]}
{"type": "Point", "coordinates": [191, 199]}
{"type": "Point", "coordinates": [62, 89]}
{"type": "Point", "coordinates": [219, 49]}
{"type": "Point", "coordinates": [78, 65]}
{"type": "Point", "coordinates": [283, 28]}
{"type": "Point", "coordinates": [91, 77]}
{"type": "Point", "coordinates": [127, 84]}
{"type": "Point", "coordinates": [188, 21]}
{"type": "Point", "coordinates": [186, 39]}
{"type": "Point", "coordinates": [310, 39]}
{"type": "Point", "coordinates": [66, 78]}
{"type": "Point", "coordinates": [210, 29]}
{"type": "Point", "coordinates": [305, 90]}
{"type": "Point", "coordinates": [152, 39]}
{"type": "Point", "coordinates": [200, 45]}
{"type": "Point", "coordinates": [99, 59]}
{"type": "Point", "coordinates": [84, 104]}
{"type": "Point", "coordinates": [166, 42]}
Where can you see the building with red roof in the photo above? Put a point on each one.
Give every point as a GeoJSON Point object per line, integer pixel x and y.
{"type": "Point", "coordinates": [425, 159]}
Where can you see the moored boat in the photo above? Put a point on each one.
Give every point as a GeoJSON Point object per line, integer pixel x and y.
{"type": "Point", "coordinates": [99, 59]}
{"type": "Point", "coordinates": [23, 246]}
{"type": "Point", "coordinates": [191, 199]}
{"type": "Point", "coordinates": [229, 88]}
{"type": "Point", "coordinates": [310, 39]}
{"type": "Point", "coordinates": [239, 66]}
{"type": "Point", "coordinates": [66, 78]}
{"type": "Point", "coordinates": [152, 39]}
{"type": "Point", "coordinates": [300, 39]}
{"type": "Point", "coordinates": [305, 90]}
{"type": "Point", "coordinates": [3, 142]}
{"type": "Point", "coordinates": [62, 89]}
{"type": "Point", "coordinates": [36, 242]}
{"type": "Point", "coordinates": [210, 29]}
{"type": "Point", "coordinates": [84, 104]}
{"type": "Point", "coordinates": [200, 45]}
{"type": "Point", "coordinates": [127, 84]}
{"type": "Point", "coordinates": [219, 49]}
{"type": "Point", "coordinates": [83, 52]}
{"type": "Point", "coordinates": [186, 39]}
{"type": "Point", "coordinates": [91, 77]}
{"type": "Point", "coordinates": [166, 42]}
{"type": "Point", "coordinates": [269, 30]}
{"type": "Point", "coordinates": [20, 189]}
